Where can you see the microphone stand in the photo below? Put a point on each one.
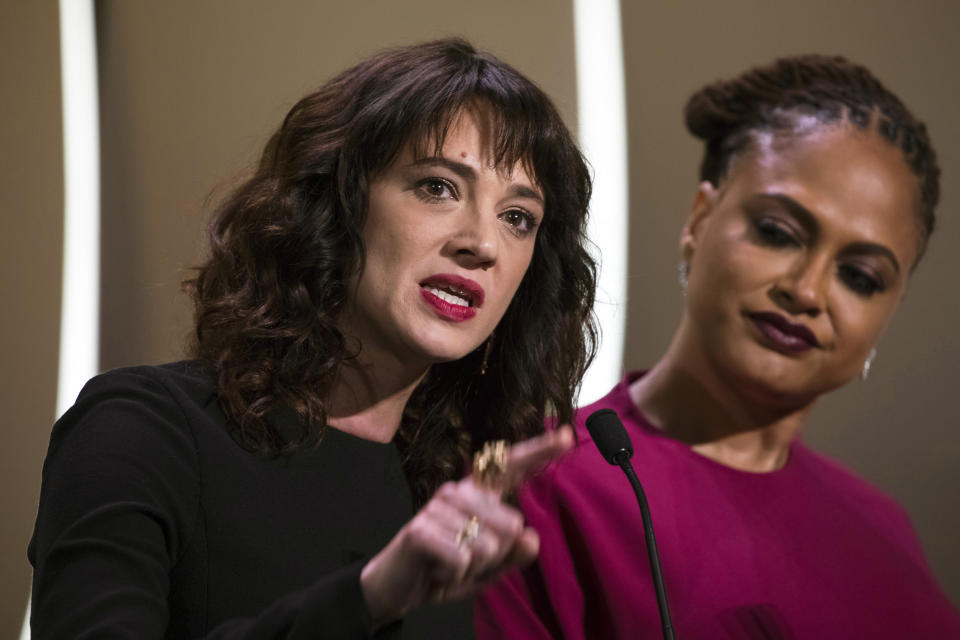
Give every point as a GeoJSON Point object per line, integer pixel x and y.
{"type": "Point", "coordinates": [623, 459]}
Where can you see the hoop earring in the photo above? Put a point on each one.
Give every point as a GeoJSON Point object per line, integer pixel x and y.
{"type": "Point", "coordinates": [486, 355]}
{"type": "Point", "coordinates": [865, 371]}
{"type": "Point", "coordinates": [683, 270]}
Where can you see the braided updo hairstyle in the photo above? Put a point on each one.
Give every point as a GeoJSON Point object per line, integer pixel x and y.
{"type": "Point", "coordinates": [727, 115]}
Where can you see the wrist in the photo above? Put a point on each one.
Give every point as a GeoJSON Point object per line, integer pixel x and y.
{"type": "Point", "coordinates": [375, 599]}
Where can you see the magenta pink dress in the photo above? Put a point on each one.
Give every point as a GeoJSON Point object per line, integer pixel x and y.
{"type": "Point", "coordinates": [808, 551]}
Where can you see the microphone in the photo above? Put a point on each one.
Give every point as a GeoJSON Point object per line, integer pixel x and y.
{"type": "Point", "coordinates": [614, 444]}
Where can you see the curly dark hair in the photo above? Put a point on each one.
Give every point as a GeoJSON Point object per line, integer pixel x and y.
{"type": "Point", "coordinates": [726, 114]}
{"type": "Point", "coordinates": [285, 244]}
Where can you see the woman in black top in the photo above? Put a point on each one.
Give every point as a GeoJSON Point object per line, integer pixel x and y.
{"type": "Point", "coordinates": [401, 280]}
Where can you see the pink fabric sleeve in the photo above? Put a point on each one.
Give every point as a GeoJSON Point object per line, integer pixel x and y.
{"type": "Point", "coordinates": [543, 601]}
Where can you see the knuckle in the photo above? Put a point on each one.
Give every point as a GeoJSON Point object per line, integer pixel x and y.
{"type": "Point", "coordinates": [494, 548]}
{"type": "Point", "coordinates": [486, 548]}
{"type": "Point", "coordinates": [418, 529]}
{"type": "Point", "coordinates": [515, 524]}
{"type": "Point", "coordinates": [465, 559]}
{"type": "Point", "coordinates": [447, 490]}
{"type": "Point", "coordinates": [431, 509]}
{"type": "Point", "coordinates": [509, 521]}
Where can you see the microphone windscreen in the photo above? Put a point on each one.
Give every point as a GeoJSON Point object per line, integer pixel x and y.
{"type": "Point", "coordinates": [608, 433]}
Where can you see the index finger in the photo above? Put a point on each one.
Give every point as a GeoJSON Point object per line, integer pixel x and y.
{"type": "Point", "coordinates": [529, 456]}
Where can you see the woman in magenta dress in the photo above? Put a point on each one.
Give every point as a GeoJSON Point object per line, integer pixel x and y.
{"type": "Point", "coordinates": [816, 201]}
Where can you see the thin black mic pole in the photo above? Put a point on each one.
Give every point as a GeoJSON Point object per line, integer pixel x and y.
{"type": "Point", "coordinates": [655, 571]}
{"type": "Point", "coordinates": [614, 443]}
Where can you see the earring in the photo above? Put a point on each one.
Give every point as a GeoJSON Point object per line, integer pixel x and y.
{"type": "Point", "coordinates": [865, 371]}
{"type": "Point", "coordinates": [486, 355]}
{"type": "Point", "coordinates": [682, 270]}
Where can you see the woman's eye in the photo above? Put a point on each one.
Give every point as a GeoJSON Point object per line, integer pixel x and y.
{"type": "Point", "coordinates": [859, 281]}
{"type": "Point", "coordinates": [435, 189]}
{"type": "Point", "coordinates": [775, 234]}
{"type": "Point", "coordinates": [519, 220]}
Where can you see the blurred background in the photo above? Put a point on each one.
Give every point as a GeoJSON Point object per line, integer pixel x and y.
{"type": "Point", "coordinates": [189, 91]}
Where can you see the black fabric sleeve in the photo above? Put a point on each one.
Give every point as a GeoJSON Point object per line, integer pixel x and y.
{"type": "Point", "coordinates": [332, 607]}
{"type": "Point", "coordinates": [119, 503]}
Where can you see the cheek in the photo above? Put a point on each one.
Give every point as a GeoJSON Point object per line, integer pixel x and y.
{"type": "Point", "coordinates": [732, 269]}
{"type": "Point", "coordinates": [512, 275]}
{"type": "Point", "coordinates": [394, 232]}
{"type": "Point", "coordinates": [522, 266]}
{"type": "Point", "coordinates": [390, 248]}
{"type": "Point", "coordinates": [720, 255]}
{"type": "Point", "coordinates": [859, 323]}
{"type": "Point", "coordinates": [386, 267]}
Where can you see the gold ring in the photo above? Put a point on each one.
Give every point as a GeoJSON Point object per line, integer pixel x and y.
{"type": "Point", "coordinates": [468, 532]}
{"type": "Point", "coordinates": [490, 465]}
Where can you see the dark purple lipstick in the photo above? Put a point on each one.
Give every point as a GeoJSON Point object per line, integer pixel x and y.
{"type": "Point", "coordinates": [783, 335]}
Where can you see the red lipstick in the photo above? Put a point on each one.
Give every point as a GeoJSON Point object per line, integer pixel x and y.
{"type": "Point", "coordinates": [783, 335]}
{"type": "Point", "coordinates": [452, 297]}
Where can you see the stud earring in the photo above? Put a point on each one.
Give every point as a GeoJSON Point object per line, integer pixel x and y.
{"type": "Point", "coordinates": [865, 371]}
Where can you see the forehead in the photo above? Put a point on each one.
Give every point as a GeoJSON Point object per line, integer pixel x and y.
{"type": "Point", "coordinates": [478, 134]}
{"type": "Point", "coordinates": [854, 182]}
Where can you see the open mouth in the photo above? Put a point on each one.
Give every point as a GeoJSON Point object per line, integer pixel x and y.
{"type": "Point", "coordinates": [454, 289]}
{"type": "Point", "coordinates": [452, 297]}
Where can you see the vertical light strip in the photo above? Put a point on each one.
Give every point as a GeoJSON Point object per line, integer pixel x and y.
{"type": "Point", "coordinates": [601, 105]}
{"type": "Point", "coordinates": [80, 293]}
{"type": "Point", "coordinates": [80, 298]}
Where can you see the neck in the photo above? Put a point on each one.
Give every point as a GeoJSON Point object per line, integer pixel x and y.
{"type": "Point", "coordinates": [690, 401]}
{"type": "Point", "coordinates": [370, 394]}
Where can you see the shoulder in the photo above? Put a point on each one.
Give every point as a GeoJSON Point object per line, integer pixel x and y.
{"type": "Point", "coordinates": [184, 381]}
{"type": "Point", "coordinates": [582, 476]}
{"type": "Point", "coordinates": [151, 388]}
{"type": "Point", "coordinates": [831, 477]}
{"type": "Point", "coordinates": [129, 438]}
{"type": "Point", "coordinates": [122, 472]}
{"type": "Point", "coordinates": [617, 399]}
{"type": "Point", "coordinates": [147, 411]}
{"type": "Point", "coordinates": [842, 480]}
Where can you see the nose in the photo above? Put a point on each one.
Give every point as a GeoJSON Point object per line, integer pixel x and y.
{"type": "Point", "coordinates": [473, 242]}
{"type": "Point", "coordinates": [801, 289]}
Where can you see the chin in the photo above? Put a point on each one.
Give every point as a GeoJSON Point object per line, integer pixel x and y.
{"type": "Point", "coordinates": [771, 378]}
{"type": "Point", "coordinates": [437, 355]}
{"type": "Point", "coordinates": [446, 350]}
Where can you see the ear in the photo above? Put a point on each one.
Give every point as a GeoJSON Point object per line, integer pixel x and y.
{"type": "Point", "coordinates": [703, 204]}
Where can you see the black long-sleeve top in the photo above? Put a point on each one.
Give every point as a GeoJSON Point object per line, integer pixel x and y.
{"type": "Point", "coordinates": [155, 523]}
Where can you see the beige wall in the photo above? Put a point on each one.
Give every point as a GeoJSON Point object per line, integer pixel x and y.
{"type": "Point", "coordinates": [31, 209]}
{"type": "Point", "coordinates": [899, 429]}
{"type": "Point", "coordinates": [190, 91]}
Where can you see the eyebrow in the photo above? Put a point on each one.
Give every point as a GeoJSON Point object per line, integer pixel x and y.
{"type": "Point", "coordinates": [806, 218]}
{"type": "Point", "coordinates": [467, 172]}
